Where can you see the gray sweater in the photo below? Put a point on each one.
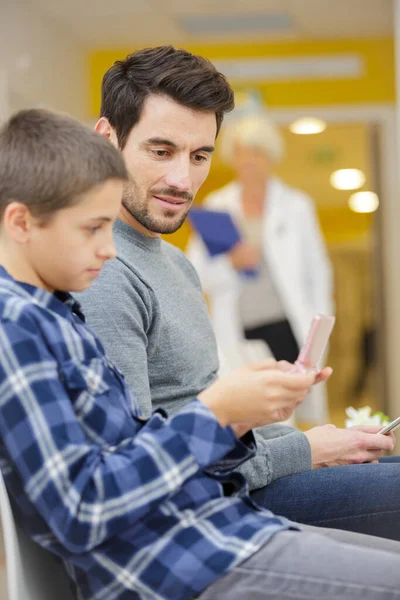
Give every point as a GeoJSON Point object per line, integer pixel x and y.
{"type": "Point", "coordinates": [148, 310]}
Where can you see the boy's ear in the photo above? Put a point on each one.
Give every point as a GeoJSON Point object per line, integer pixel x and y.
{"type": "Point", "coordinates": [104, 128]}
{"type": "Point", "coordinates": [18, 221]}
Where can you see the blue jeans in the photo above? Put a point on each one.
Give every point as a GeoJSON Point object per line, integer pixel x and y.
{"type": "Point", "coordinates": [361, 498]}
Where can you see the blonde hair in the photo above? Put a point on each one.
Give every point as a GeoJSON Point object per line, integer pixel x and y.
{"type": "Point", "coordinates": [252, 131]}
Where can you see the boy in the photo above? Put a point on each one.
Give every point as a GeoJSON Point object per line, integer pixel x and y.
{"type": "Point", "coordinates": [135, 508]}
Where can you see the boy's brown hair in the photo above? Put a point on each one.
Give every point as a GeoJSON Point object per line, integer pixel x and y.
{"type": "Point", "coordinates": [48, 160]}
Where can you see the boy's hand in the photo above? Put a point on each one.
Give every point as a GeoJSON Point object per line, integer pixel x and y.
{"type": "Point", "coordinates": [259, 394]}
{"type": "Point", "coordinates": [321, 375]}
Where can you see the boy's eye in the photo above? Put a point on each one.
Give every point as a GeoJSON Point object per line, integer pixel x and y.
{"type": "Point", "coordinates": [161, 153]}
{"type": "Point", "coordinates": [93, 228]}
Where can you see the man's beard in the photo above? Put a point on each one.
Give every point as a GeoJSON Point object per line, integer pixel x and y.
{"type": "Point", "coordinates": [135, 202]}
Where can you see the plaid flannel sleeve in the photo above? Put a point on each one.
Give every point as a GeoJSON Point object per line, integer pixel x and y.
{"type": "Point", "coordinates": [85, 492]}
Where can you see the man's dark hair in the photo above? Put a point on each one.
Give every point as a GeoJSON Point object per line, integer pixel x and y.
{"type": "Point", "coordinates": [48, 160]}
{"type": "Point", "coordinates": [190, 80]}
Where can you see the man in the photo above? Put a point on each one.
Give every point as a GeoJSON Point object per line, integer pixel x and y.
{"type": "Point", "coordinates": [163, 108]}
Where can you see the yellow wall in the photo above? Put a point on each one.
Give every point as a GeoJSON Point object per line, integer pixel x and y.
{"type": "Point", "coordinates": [311, 159]}
{"type": "Point", "coordinates": [375, 85]}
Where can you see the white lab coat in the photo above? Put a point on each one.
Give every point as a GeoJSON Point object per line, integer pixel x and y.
{"type": "Point", "coordinates": [295, 253]}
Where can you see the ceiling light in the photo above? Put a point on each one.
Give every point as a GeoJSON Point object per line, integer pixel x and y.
{"type": "Point", "coordinates": [364, 202]}
{"type": "Point", "coordinates": [307, 126]}
{"type": "Point", "coordinates": [347, 179]}
{"type": "Point", "coordinates": [279, 22]}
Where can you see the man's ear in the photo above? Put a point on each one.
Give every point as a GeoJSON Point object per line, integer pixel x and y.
{"type": "Point", "coordinates": [104, 128]}
{"type": "Point", "coordinates": [18, 221]}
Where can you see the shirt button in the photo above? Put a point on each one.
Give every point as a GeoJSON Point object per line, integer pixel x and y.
{"type": "Point", "coordinates": [92, 384]}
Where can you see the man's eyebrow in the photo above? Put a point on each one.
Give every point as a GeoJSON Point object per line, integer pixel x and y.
{"type": "Point", "coordinates": [156, 141]}
{"type": "Point", "coordinates": [209, 149]}
{"type": "Point", "coordinates": [104, 219]}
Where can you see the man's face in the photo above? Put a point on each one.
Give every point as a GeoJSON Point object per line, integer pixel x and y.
{"type": "Point", "coordinates": [168, 155]}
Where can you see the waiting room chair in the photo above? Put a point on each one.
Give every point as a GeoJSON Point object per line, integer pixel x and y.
{"type": "Point", "coordinates": [32, 573]}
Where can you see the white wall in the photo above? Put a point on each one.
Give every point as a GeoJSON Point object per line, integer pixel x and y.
{"type": "Point", "coordinates": [39, 64]}
{"type": "Point", "coordinates": [44, 64]}
{"type": "Point", "coordinates": [3, 95]}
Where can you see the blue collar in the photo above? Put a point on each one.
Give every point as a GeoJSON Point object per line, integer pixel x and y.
{"type": "Point", "coordinates": [59, 302]}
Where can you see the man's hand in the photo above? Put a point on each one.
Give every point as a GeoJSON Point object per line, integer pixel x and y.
{"type": "Point", "coordinates": [331, 446]}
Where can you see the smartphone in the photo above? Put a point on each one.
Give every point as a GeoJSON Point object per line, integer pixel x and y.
{"type": "Point", "coordinates": [317, 339]}
{"type": "Point", "coordinates": [390, 426]}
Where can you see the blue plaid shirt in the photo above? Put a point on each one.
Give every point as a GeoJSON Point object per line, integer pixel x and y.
{"type": "Point", "coordinates": [135, 508]}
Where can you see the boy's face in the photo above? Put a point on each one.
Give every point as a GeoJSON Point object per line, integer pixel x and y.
{"type": "Point", "coordinates": [70, 250]}
{"type": "Point", "coordinates": [168, 155]}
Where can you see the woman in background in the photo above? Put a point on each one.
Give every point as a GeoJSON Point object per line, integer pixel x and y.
{"type": "Point", "coordinates": [281, 242]}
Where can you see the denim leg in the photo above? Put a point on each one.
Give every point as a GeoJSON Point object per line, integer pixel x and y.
{"type": "Point", "coordinates": [310, 565]}
{"type": "Point", "coordinates": [362, 498]}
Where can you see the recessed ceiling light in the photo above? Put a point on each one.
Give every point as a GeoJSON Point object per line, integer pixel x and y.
{"type": "Point", "coordinates": [279, 22]}
{"type": "Point", "coordinates": [307, 126]}
{"type": "Point", "coordinates": [347, 179]}
{"type": "Point", "coordinates": [364, 202]}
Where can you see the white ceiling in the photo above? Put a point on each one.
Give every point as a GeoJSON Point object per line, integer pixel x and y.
{"type": "Point", "coordinates": [117, 23]}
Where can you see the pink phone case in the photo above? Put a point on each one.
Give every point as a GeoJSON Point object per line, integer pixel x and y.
{"type": "Point", "coordinates": [316, 342]}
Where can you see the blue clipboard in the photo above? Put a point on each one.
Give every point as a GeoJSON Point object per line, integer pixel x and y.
{"type": "Point", "coordinates": [218, 232]}
{"type": "Point", "coordinates": [217, 229]}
